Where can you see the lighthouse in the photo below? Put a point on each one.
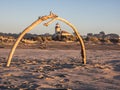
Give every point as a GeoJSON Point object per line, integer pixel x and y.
{"type": "Point", "coordinates": [57, 29]}
{"type": "Point", "coordinates": [58, 32]}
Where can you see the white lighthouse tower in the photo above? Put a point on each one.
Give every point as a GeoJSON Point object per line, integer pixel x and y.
{"type": "Point", "coordinates": [57, 29]}
{"type": "Point", "coordinates": [58, 32]}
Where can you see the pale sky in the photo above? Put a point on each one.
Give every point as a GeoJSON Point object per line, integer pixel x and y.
{"type": "Point", "coordinates": [88, 16]}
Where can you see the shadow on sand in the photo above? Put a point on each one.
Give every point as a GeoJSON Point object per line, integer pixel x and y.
{"type": "Point", "coordinates": [115, 64]}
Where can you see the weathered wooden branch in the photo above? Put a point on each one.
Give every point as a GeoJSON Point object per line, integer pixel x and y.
{"type": "Point", "coordinates": [41, 19]}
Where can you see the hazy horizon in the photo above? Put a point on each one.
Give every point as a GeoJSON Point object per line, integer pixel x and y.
{"type": "Point", "coordinates": [88, 16]}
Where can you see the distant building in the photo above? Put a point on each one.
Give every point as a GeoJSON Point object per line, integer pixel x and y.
{"type": "Point", "coordinates": [60, 34]}
{"type": "Point", "coordinates": [57, 28]}
{"type": "Point", "coordinates": [65, 33]}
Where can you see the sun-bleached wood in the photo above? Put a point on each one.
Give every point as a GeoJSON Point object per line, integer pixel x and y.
{"type": "Point", "coordinates": [38, 21]}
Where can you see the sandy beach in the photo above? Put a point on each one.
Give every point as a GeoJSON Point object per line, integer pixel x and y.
{"type": "Point", "coordinates": [36, 69]}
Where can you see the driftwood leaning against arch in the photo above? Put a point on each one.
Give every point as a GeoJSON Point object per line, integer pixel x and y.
{"type": "Point", "coordinates": [53, 18]}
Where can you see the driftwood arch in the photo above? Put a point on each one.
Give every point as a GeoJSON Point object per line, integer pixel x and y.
{"type": "Point", "coordinates": [53, 18]}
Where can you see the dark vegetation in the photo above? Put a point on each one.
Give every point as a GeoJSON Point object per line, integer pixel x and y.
{"type": "Point", "coordinates": [103, 38]}
{"type": "Point", "coordinates": [100, 38]}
